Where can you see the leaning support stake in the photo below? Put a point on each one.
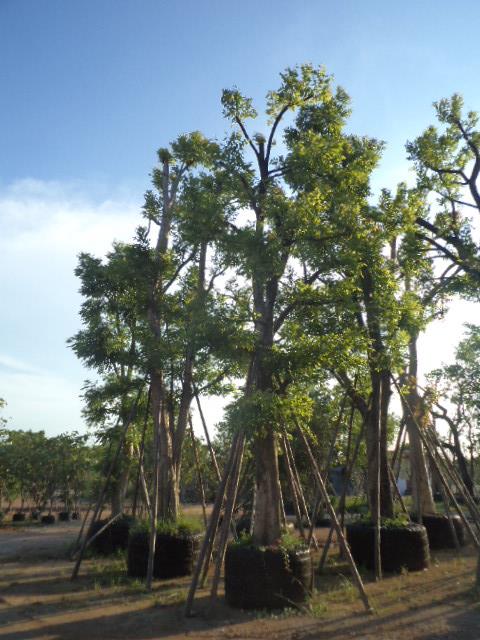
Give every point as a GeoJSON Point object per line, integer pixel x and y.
{"type": "Point", "coordinates": [229, 507]}
{"type": "Point", "coordinates": [101, 497]}
{"type": "Point", "coordinates": [431, 452]}
{"type": "Point", "coordinates": [199, 472]}
{"type": "Point", "coordinates": [331, 511]}
{"type": "Point", "coordinates": [207, 545]}
{"type": "Point", "coordinates": [293, 490]}
{"type": "Point", "coordinates": [101, 530]}
{"type": "Point", "coordinates": [302, 504]}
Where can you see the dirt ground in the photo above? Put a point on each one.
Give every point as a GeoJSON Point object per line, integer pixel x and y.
{"type": "Point", "coordinates": [38, 600]}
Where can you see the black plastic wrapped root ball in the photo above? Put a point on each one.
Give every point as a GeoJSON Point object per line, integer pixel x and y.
{"type": "Point", "coordinates": [18, 517]}
{"type": "Point", "coordinates": [439, 532]}
{"type": "Point", "coordinates": [175, 554]}
{"type": "Point", "coordinates": [402, 547]}
{"type": "Point", "coordinates": [266, 578]}
{"type": "Point", "coordinates": [114, 537]}
{"type": "Point", "coordinates": [48, 519]}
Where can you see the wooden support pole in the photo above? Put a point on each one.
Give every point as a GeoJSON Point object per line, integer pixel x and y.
{"type": "Point", "coordinates": [141, 454]}
{"type": "Point", "coordinates": [453, 531]}
{"type": "Point", "coordinates": [398, 443]}
{"type": "Point", "coordinates": [397, 491]}
{"type": "Point", "coordinates": [101, 530]}
{"type": "Point", "coordinates": [456, 479]}
{"type": "Point", "coordinates": [210, 534]}
{"type": "Point", "coordinates": [293, 489]}
{"type": "Point", "coordinates": [207, 435]}
{"type": "Point", "coordinates": [431, 453]}
{"type": "Point", "coordinates": [199, 472]}
{"type": "Point", "coordinates": [229, 507]}
{"type": "Point", "coordinates": [343, 498]}
{"type": "Point", "coordinates": [301, 496]}
{"type": "Point", "coordinates": [101, 497]}
{"type": "Point", "coordinates": [331, 511]}
{"type": "Point", "coordinates": [152, 542]}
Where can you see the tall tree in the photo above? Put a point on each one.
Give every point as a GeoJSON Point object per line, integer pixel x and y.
{"type": "Point", "coordinates": [280, 243]}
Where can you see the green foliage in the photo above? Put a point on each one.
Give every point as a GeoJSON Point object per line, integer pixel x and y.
{"type": "Point", "coordinates": [287, 541]}
{"type": "Point", "coordinates": [39, 469]}
{"type": "Point", "coordinates": [183, 526]}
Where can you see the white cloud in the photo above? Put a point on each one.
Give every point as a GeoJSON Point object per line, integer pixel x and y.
{"type": "Point", "coordinates": [43, 228]}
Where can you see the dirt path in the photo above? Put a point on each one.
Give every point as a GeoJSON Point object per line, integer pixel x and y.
{"type": "Point", "coordinates": [38, 602]}
{"type": "Point", "coordinates": [37, 541]}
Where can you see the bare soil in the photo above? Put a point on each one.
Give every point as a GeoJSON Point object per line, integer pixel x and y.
{"type": "Point", "coordinates": [38, 600]}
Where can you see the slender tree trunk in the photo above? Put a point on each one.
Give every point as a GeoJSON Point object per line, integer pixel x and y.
{"type": "Point", "coordinates": [378, 415]}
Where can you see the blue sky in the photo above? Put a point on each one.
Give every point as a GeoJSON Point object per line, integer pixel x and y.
{"type": "Point", "coordinates": [89, 91]}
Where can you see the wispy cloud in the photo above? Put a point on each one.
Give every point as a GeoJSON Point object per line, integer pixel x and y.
{"type": "Point", "coordinates": [13, 365]}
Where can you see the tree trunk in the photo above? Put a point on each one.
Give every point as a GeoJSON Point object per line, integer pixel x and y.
{"type": "Point", "coordinates": [422, 490]}
{"type": "Point", "coordinates": [267, 525]}
{"type": "Point", "coordinates": [378, 414]}
{"type": "Point", "coordinates": [120, 486]}
{"type": "Point", "coordinates": [168, 489]}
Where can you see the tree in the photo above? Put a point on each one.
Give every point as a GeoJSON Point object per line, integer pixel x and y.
{"type": "Point", "coordinates": [281, 244]}
{"type": "Point", "coordinates": [109, 344]}
{"type": "Point", "coordinates": [457, 384]}
{"type": "Point", "coordinates": [447, 162]}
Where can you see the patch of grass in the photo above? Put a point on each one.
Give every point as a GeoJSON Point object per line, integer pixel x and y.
{"type": "Point", "coordinates": [318, 609]}
{"type": "Point", "coordinates": [277, 614]}
{"type": "Point", "coordinates": [169, 598]}
{"type": "Point", "coordinates": [345, 591]}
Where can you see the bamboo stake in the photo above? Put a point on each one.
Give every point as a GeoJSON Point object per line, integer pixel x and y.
{"type": "Point", "coordinates": [400, 454]}
{"type": "Point", "coordinates": [80, 533]}
{"type": "Point", "coordinates": [229, 506]}
{"type": "Point", "coordinates": [154, 508]}
{"type": "Point", "coordinates": [141, 453]}
{"type": "Point", "coordinates": [457, 480]}
{"type": "Point", "coordinates": [207, 435]}
{"type": "Point", "coordinates": [101, 530]}
{"type": "Point", "coordinates": [207, 545]}
{"type": "Point", "coordinates": [376, 514]}
{"type": "Point", "coordinates": [439, 472]}
{"type": "Point", "coordinates": [453, 531]}
{"type": "Point", "coordinates": [397, 492]}
{"type": "Point", "coordinates": [343, 497]}
{"type": "Point", "coordinates": [353, 567]}
{"type": "Point", "coordinates": [300, 494]}
{"type": "Point", "coordinates": [98, 506]}
{"type": "Point", "coordinates": [396, 451]}
{"type": "Point", "coordinates": [454, 476]}
{"type": "Point", "coordinates": [199, 471]}
{"type": "Point", "coordinates": [293, 490]}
